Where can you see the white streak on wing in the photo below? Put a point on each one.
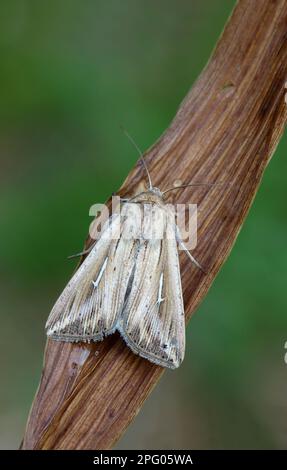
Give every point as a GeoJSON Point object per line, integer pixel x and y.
{"type": "Point", "coordinates": [160, 299]}
{"type": "Point", "coordinates": [97, 281]}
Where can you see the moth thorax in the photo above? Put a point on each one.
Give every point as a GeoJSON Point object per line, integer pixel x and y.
{"type": "Point", "coordinates": [153, 195]}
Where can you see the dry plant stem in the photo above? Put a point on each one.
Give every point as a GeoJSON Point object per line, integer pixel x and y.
{"type": "Point", "coordinates": [226, 130]}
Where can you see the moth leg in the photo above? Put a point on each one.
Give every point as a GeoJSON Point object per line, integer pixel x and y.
{"type": "Point", "coordinates": [85, 252]}
{"type": "Point", "coordinates": [192, 259]}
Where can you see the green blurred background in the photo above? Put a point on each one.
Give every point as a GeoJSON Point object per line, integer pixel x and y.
{"type": "Point", "coordinates": [71, 72]}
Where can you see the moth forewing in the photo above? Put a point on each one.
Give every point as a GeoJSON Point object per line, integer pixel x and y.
{"type": "Point", "coordinates": [152, 322]}
{"type": "Point", "coordinates": [175, 303]}
{"type": "Point", "coordinates": [90, 304]}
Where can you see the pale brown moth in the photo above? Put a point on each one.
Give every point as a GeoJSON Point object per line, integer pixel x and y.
{"type": "Point", "coordinates": [130, 284]}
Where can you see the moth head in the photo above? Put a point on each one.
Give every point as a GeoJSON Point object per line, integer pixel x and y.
{"type": "Point", "coordinates": [155, 191]}
{"type": "Point", "coordinates": [152, 195]}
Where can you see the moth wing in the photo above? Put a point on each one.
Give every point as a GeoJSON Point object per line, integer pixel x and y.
{"type": "Point", "coordinates": [89, 306]}
{"type": "Point", "coordinates": [152, 322]}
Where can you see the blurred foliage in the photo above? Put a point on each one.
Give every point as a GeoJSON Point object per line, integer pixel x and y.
{"type": "Point", "coordinates": [71, 73]}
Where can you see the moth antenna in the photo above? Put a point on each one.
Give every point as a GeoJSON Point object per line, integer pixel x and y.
{"type": "Point", "coordinates": [193, 184]}
{"type": "Point", "coordinates": [140, 153]}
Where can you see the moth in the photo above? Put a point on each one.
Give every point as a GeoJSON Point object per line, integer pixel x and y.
{"type": "Point", "coordinates": [131, 284]}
